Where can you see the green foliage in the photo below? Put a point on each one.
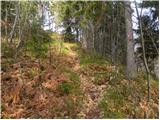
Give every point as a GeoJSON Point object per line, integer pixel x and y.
{"type": "Point", "coordinates": [7, 51]}
{"type": "Point", "coordinates": [102, 78]}
{"type": "Point", "coordinates": [69, 104]}
{"type": "Point", "coordinates": [74, 100]}
{"type": "Point", "coordinates": [37, 48]}
{"type": "Point", "coordinates": [73, 85]}
{"type": "Point", "coordinates": [90, 58]}
{"type": "Point", "coordinates": [38, 43]}
{"type": "Point", "coordinates": [72, 75]}
{"type": "Point", "coordinates": [113, 101]}
{"type": "Point", "coordinates": [151, 34]}
{"type": "Point", "coordinates": [68, 36]}
{"type": "Point", "coordinates": [59, 47]}
{"type": "Point", "coordinates": [64, 16]}
{"type": "Point", "coordinates": [117, 99]}
{"type": "Point", "coordinates": [121, 99]}
{"type": "Point", "coordinates": [32, 73]}
{"type": "Point", "coordinates": [74, 82]}
{"type": "Point", "coordinates": [65, 88]}
{"type": "Point", "coordinates": [71, 107]}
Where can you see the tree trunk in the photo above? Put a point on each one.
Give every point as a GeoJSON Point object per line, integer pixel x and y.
{"type": "Point", "coordinates": [92, 40]}
{"type": "Point", "coordinates": [113, 46]}
{"type": "Point", "coordinates": [131, 65]}
{"type": "Point", "coordinates": [144, 53]}
{"type": "Point", "coordinates": [77, 34]}
{"type": "Point", "coordinates": [14, 24]}
{"type": "Point", "coordinates": [6, 20]}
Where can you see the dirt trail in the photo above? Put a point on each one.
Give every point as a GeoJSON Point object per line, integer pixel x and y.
{"type": "Point", "coordinates": [38, 93]}
{"type": "Point", "coordinates": [92, 92]}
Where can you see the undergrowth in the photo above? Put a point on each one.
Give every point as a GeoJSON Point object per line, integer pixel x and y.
{"type": "Point", "coordinates": [88, 58]}
{"type": "Point", "coordinates": [74, 100]}
{"type": "Point", "coordinates": [124, 99]}
{"type": "Point", "coordinates": [121, 98]}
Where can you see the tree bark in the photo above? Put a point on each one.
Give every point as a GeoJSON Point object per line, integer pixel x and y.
{"type": "Point", "coordinates": [144, 60]}
{"type": "Point", "coordinates": [144, 53]}
{"type": "Point", "coordinates": [131, 65]}
{"type": "Point", "coordinates": [14, 24]}
{"type": "Point", "coordinates": [6, 20]}
{"type": "Point", "coordinates": [77, 34]}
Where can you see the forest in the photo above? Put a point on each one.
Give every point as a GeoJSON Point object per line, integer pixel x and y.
{"type": "Point", "coordinates": [79, 59]}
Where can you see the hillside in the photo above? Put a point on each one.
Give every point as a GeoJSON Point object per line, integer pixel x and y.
{"type": "Point", "coordinates": [75, 85]}
{"type": "Point", "coordinates": [79, 59]}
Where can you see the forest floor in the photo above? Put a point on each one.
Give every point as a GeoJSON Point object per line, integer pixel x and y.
{"type": "Point", "coordinates": [74, 85]}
